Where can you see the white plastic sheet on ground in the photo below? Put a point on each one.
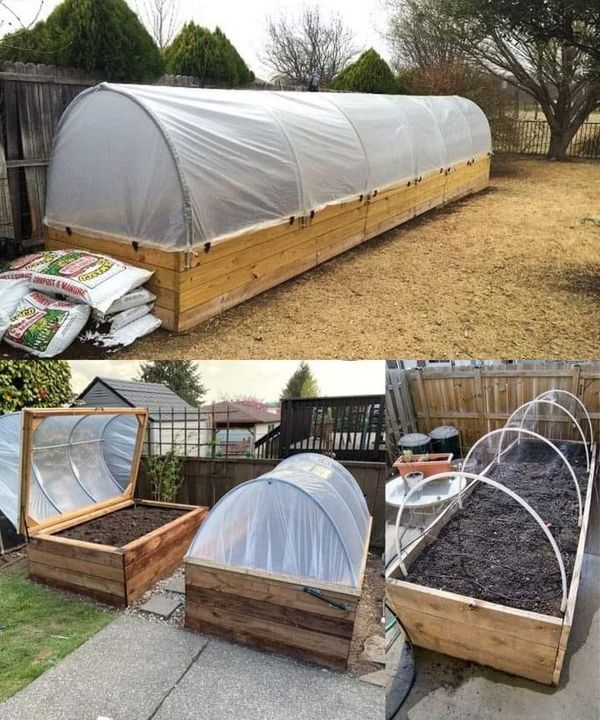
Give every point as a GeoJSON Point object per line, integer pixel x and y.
{"type": "Point", "coordinates": [307, 518]}
{"type": "Point", "coordinates": [77, 460]}
{"type": "Point", "coordinates": [177, 167]}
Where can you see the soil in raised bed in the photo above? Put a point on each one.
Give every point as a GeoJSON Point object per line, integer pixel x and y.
{"type": "Point", "coordinates": [122, 526]}
{"type": "Point", "coordinates": [493, 550]}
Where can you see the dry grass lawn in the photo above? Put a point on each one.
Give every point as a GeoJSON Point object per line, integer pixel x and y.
{"type": "Point", "coordinates": [511, 272]}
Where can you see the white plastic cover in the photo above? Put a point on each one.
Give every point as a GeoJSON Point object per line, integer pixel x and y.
{"type": "Point", "coordinates": [307, 518]}
{"type": "Point", "coordinates": [76, 460]}
{"type": "Point", "coordinates": [177, 167]}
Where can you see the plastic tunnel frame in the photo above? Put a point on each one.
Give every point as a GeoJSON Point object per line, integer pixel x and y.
{"type": "Point", "coordinates": [499, 486]}
{"type": "Point", "coordinates": [545, 440]}
{"type": "Point", "coordinates": [31, 420]}
{"type": "Point", "coordinates": [577, 400]}
{"type": "Point", "coordinates": [529, 406]}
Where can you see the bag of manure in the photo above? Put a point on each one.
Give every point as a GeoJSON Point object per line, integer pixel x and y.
{"type": "Point", "coordinates": [45, 327]}
{"type": "Point", "coordinates": [11, 294]}
{"type": "Point", "coordinates": [133, 299]}
{"type": "Point", "coordinates": [125, 335]}
{"type": "Point", "coordinates": [97, 280]}
{"type": "Point", "coordinates": [111, 323]}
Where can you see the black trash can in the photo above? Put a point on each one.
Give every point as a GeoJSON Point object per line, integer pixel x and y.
{"type": "Point", "coordinates": [417, 443]}
{"type": "Point", "coordinates": [445, 439]}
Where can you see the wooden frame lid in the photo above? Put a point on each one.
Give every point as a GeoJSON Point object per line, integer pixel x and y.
{"type": "Point", "coordinates": [32, 419]}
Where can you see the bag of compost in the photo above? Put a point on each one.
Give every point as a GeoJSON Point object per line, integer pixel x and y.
{"type": "Point", "coordinates": [45, 327]}
{"type": "Point", "coordinates": [125, 335]}
{"type": "Point", "coordinates": [22, 268]}
{"type": "Point", "coordinates": [111, 323]}
{"type": "Point", "coordinates": [133, 299]}
{"type": "Point", "coordinates": [11, 294]}
{"type": "Point", "coordinates": [96, 280]}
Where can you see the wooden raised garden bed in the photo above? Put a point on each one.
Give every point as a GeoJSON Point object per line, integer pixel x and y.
{"type": "Point", "coordinates": [310, 620]}
{"type": "Point", "coordinates": [192, 286]}
{"type": "Point", "coordinates": [501, 634]}
{"type": "Point", "coordinates": [113, 550]}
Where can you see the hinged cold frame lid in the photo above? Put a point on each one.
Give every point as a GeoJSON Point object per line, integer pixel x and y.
{"type": "Point", "coordinates": [75, 461]}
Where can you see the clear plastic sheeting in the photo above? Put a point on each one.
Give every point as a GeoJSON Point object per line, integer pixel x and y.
{"type": "Point", "coordinates": [10, 465]}
{"type": "Point", "coordinates": [307, 519]}
{"type": "Point", "coordinates": [177, 167]}
{"type": "Point", "coordinates": [76, 461]}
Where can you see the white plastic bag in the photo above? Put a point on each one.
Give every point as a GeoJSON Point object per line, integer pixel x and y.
{"type": "Point", "coordinates": [126, 335]}
{"type": "Point", "coordinates": [96, 280]}
{"type": "Point", "coordinates": [111, 323]}
{"type": "Point", "coordinates": [45, 327]}
{"type": "Point", "coordinates": [135, 298]}
{"type": "Point", "coordinates": [11, 294]}
{"type": "Point", "coordinates": [23, 267]}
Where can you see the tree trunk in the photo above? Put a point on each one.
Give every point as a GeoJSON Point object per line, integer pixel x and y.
{"type": "Point", "coordinates": [560, 137]}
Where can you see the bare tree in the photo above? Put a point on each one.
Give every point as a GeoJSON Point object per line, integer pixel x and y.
{"type": "Point", "coordinates": [552, 71]}
{"type": "Point", "coordinates": [14, 20]}
{"type": "Point", "coordinates": [161, 17]}
{"type": "Point", "coordinates": [298, 47]}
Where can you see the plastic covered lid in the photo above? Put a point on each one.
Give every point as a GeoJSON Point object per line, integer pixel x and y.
{"type": "Point", "coordinates": [443, 432]}
{"type": "Point", "coordinates": [414, 440]}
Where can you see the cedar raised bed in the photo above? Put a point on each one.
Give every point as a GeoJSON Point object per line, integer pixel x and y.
{"type": "Point", "coordinates": [192, 286]}
{"type": "Point", "coordinates": [63, 551]}
{"type": "Point", "coordinates": [471, 615]}
{"type": "Point", "coordinates": [303, 618]}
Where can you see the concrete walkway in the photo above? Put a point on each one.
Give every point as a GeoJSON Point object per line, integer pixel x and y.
{"type": "Point", "coordinates": [455, 690]}
{"type": "Point", "coordinates": [138, 670]}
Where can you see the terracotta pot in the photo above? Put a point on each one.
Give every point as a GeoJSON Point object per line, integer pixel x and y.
{"type": "Point", "coordinates": [430, 464]}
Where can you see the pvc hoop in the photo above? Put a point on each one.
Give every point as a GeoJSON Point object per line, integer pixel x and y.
{"type": "Point", "coordinates": [499, 486]}
{"type": "Point", "coordinates": [531, 433]}
{"type": "Point", "coordinates": [577, 400]}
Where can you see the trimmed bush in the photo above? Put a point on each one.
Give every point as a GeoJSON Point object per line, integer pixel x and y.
{"type": "Point", "coordinates": [369, 74]}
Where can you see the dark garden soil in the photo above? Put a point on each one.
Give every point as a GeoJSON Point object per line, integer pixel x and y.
{"type": "Point", "coordinates": [493, 549]}
{"type": "Point", "coordinates": [123, 526]}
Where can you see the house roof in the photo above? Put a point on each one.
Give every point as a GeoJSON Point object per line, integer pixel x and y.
{"type": "Point", "coordinates": [154, 396]}
{"type": "Point", "coordinates": [243, 413]}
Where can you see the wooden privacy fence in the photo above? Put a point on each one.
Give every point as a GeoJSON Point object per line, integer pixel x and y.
{"type": "Point", "coordinates": [206, 481]}
{"type": "Point", "coordinates": [532, 137]}
{"type": "Point", "coordinates": [477, 400]}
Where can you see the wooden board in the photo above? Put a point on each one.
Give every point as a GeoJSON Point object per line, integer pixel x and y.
{"type": "Point", "coordinates": [528, 644]}
{"type": "Point", "coordinates": [273, 612]}
{"type": "Point", "coordinates": [192, 286]}
{"type": "Point", "coordinates": [114, 575]}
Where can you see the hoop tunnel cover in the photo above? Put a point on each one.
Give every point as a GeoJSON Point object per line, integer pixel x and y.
{"type": "Point", "coordinates": [307, 518]}
{"type": "Point", "coordinates": [76, 460]}
{"type": "Point", "coordinates": [177, 167]}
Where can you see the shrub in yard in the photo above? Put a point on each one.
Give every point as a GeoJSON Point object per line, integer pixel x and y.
{"type": "Point", "coordinates": [208, 56]}
{"type": "Point", "coordinates": [369, 74]}
{"type": "Point", "coordinates": [103, 36]}
{"type": "Point", "coordinates": [34, 384]}
{"type": "Point", "coordinates": [165, 475]}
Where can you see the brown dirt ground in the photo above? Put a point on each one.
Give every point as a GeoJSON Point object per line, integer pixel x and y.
{"type": "Point", "coordinates": [511, 272]}
{"type": "Point", "coordinates": [368, 616]}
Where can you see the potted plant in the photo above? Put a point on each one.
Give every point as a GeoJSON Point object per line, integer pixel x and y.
{"type": "Point", "coordinates": [428, 464]}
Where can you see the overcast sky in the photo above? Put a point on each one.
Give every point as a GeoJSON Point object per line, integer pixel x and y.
{"type": "Point", "coordinates": [263, 379]}
{"type": "Point", "coordinates": [244, 22]}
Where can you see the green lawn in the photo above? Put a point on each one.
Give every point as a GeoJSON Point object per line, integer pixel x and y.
{"type": "Point", "coordinates": [41, 627]}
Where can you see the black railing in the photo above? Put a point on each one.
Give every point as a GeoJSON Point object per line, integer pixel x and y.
{"type": "Point", "coordinates": [347, 428]}
{"type": "Point", "coordinates": [268, 445]}
{"type": "Point", "coordinates": [532, 137]}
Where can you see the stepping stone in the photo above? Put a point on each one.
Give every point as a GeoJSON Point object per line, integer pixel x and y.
{"type": "Point", "coordinates": [176, 585]}
{"type": "Point", "coordinates": [161, 605]}
{"type": "Point", "coordinates": [374, 649]}
{"type": "Point", "coordinates": [378, 678]}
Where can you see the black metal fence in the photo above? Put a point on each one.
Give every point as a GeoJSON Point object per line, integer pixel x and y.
{"type": "Point", "coordinates": [532, 137]}
{"type": "Point", "coordinates": [347, 428]}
